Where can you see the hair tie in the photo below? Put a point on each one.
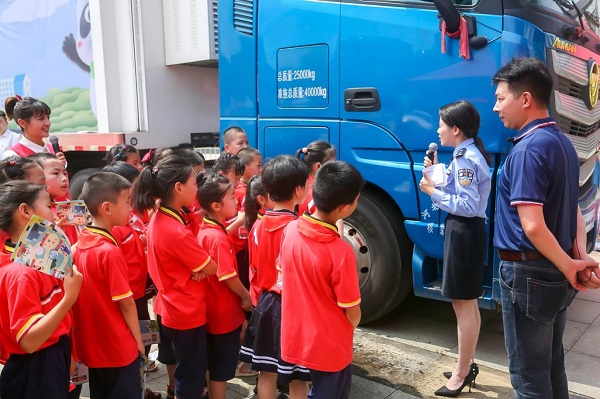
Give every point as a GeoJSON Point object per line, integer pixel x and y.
{"type": "Point", "coordinates": [11, 163]}
{"type": "Point", "coordinates": [19, 97]}
{"type": "Point", "coordinates": [155, 170]}
{"type": "Point", "coordinates": [305, 150]}
{"type": "Point", "coordinates": [148, 156]}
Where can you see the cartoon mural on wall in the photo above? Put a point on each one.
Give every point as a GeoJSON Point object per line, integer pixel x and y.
{"type": "Point", "coordinates": [48, 55]}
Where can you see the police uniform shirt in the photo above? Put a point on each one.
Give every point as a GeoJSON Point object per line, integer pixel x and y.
{"type": "Point", "coordinates": [468, 188]}
{"type": "Point", "coordinates": [542, 169]}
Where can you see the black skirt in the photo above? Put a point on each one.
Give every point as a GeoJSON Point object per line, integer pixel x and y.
{"type": "Point", "coordinates": [465, 244]}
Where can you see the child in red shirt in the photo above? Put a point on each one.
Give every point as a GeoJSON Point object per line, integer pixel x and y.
{"type": "Point", "coordinates": [285, 179]}
{"type": "Point", "coordinates": [234, 139]}
{"type": "Point", "coordinates": [176, 263]}
{"type": "Point", "coordinates": [225, 294]}
{"type": "Point", "coordinates": [313, 156]}
{"type": "Point", "coordinates": [35, 308]}
{"type": "Point", "coordinates": [58, 187]}
{"type": "Point", "coordinates": [319, 281]}
{"type": "Point", "coordinates": [107, 337]}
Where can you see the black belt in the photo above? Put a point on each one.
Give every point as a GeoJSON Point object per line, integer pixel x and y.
{"type": "Point", "coordinates": [516, 256]}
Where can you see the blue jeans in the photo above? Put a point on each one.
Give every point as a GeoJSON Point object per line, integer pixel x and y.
{"type": "Point", "coordinates": [535, 296]}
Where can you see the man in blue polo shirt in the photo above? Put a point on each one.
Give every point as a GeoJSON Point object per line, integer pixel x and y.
{"type": "Point", "coordinates": [539, 232]}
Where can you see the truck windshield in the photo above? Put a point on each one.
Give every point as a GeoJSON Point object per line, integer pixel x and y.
{"type": "Point", "coordinates": [589, 9]}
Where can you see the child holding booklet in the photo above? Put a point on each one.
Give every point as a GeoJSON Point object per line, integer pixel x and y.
{"type": "Point", "coordinates": [107, 336]}
{"type": "Point", "coordinates": [58, 187]}
{"type": "Point", "coordinates": [33, 332]}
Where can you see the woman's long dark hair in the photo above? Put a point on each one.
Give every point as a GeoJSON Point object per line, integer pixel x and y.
{"type": "Point", "coordinates": [464, 116]}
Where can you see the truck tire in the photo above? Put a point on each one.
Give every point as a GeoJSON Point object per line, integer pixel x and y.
{"type": "Point", "coordinates": [76, 183]}
{"type": "Point", "coordinates": [383, 254]}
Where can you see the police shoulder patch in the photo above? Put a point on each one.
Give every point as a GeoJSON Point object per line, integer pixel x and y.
{"type": "Point", "coordinates": [465, 177]}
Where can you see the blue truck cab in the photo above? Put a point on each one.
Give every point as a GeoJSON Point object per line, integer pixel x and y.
{"type": "Point", "coordinates": [370, 76]}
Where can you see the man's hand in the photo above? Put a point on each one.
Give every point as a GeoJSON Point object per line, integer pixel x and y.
{"type": "Point", "coordinates": [426, 184]}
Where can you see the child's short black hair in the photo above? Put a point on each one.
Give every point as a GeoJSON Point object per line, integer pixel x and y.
{"type": "Point", "coordinates": [228, 162]}
{"type": "Point", "coordinates": [212, 188]}
{"type": "Point", "coordinates": [247, 155]}
{"type": "Point", "coordinates": [103, 187]}
{"type": "Point", "coordinates": [336, 183]}
{"type": "Point", "coordinates": [42, 157]}
{"type": "Point", "coordinates": [122, 168]}
{"type": "Point", "coordinates": [193, 156]}
{"type": "Point", "coordinates": [282, 175]}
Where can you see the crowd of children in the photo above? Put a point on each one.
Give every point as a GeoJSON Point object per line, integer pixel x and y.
{"type": "Point", "coordinates": [231, 260]}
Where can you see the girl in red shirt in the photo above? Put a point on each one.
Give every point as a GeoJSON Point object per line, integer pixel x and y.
{"type": "Point", "coordinates": [225, 291]}
{"type": "Point", "coordinates": [35, 308]}
{"type": "Point", "coordinates": [176, 263]}
{"type": "Point", "coordinates": [313, 156]}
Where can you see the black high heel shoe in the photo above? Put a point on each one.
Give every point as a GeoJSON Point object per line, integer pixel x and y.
{"type": "Point", "coordinates": [473, 366]}
{"type": "Point", "coordinates": [469, 380]}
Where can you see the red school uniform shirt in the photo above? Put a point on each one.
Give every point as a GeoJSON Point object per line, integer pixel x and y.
{"type": "Point", "coordinates": [132, 246]}
{"type": "Point", "coordinates": [252, 276]}
{"type": "Point", "coordinates": [319, 281]}
{"type": "Point", "coordinates": [239, 244]}
{"type": "Point", "coordinates": [26, 295]}
{"type": "Point", "coordinates": [102, 337]}
{"type": "Point", "coordinates": [309, 204]}
{"type": "Point", "coordinates": [173, 255]}
{"type": "Point", "coordinates": [224, 311]}
{"type": "Point", "coordinates": [264, 253]}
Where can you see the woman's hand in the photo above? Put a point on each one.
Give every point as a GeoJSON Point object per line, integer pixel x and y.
{"type": "Point", "coordinates": [427, 162]}
{"type": "Point", "coordinates": [426, 184]}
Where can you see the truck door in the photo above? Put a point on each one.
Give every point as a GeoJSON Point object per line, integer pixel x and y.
{"type": "Point", "coordinates": [298, 65]}
{"type": "Point", "coordinates": [393, 80]}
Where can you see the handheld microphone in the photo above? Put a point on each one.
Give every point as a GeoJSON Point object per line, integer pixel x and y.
{"type": "Point", "coordinates": [433, 147]}
{"type": "Point", "coordinates": [54, 141]}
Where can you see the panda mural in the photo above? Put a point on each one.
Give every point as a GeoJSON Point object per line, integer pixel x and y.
{"type": "Point", "coordinates": [80, 51]}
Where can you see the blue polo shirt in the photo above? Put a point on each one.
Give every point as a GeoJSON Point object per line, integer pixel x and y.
{"type": "Point", "coordinates": [542, 168]}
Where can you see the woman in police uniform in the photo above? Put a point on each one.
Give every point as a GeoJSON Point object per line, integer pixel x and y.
{"type": "Point", "coordinates": [465, 199]}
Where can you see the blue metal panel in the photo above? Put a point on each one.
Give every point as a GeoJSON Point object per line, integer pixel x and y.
{"type": "Point", "coordinates": [237, 59]}
{"type": "Point", "coordinates": [397, 51]}
{"type": "Point", "coordinates": [286, 136]}
{"type": "Point", "coordinates": [382, 161]}
{"type": "Point", "coordinates": [299, 36]}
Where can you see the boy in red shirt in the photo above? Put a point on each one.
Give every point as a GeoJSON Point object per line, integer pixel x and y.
{"type": "Point", "coordinates": [107, 336]}
{"type": "Point", "coordinates": [320, 282]}
{"type": "Point", "coordinates": [285, 178]}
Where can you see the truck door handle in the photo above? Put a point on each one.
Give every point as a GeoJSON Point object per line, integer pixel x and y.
{"type": "Point", "coordinates": [363, 99]}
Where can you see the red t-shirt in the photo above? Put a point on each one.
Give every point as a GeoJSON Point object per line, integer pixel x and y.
{"type": "Point", "coordinates": [173, 255]}
{"type": "Point", "coordinates": [319, 281]}
{"type": "Point", "coordinates": [224, 311]}
{"type": "Point", "coordinates": [26, 295]}
{"type": "Point", "coordinates": [308, 205]}
{"type": "Point", "coordinates": [265, 250]}
{"type": "Point", "coordinates": [240, 194]}
{"type": "Point", "coordinates": [132, 247]}
{"type": "Point", "coordinates": [102, 337]}
{"type": "Point", "coordinates": [253, 255]}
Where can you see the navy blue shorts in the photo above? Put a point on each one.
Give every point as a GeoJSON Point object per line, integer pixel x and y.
{"type": "Point", "coordinates": [165, 347]}
{"type": "Point", "coordinates": [117, 382]}
{"type": "Point", "coordinates": [264, 332]}
{"type": "Point", "coordinates": [327, 385]}
{"type": "Point", "coordinates": [223, 353]}
{"type": "Point", "coordinates": [41, 374]}
{"type": "Point", "coordinates": [189, 349]}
